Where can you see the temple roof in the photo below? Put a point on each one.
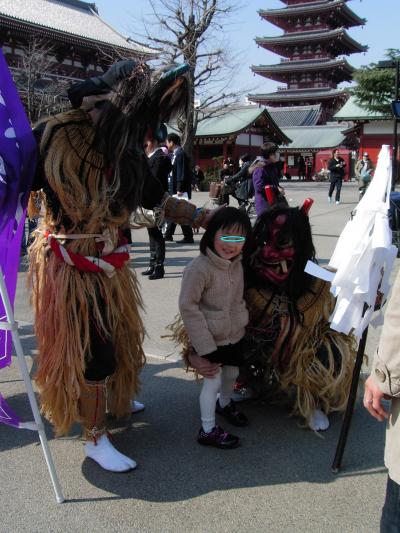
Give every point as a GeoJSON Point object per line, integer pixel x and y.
{"type": "Point", "coordinates": [295, 115]}
{"type": "Point", "coordinates": [338, 8]}
{"type": "Point", "coordinates": [342, 70]}
{"type": "Point", "coordinates": [314, 138]}
{"type": "Point", "coordinates": [353, 111]}
{"type": "Point", "coordinates": [283, 42]}
{"type": "Point", "coordinates": [235, 120]}
{"type": "Point", "coordinates": [294, 95]}
{"type": "Point", "coordinates": [76, 19]}
{"type": "Point", "coordinates": [302, 2]}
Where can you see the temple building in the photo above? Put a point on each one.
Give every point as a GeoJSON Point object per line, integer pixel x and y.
{"type": "Point", "coordinates": [372, 129]}
{"type": "Point", "coordinates": [313, 45]}
{"type": "Point", "coordinates": [236, 131]}
{"type": "Point", "coordinates": [79, 42]}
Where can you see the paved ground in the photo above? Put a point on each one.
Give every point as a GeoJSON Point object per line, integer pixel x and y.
{"type": "Point", "coordinates": [278, 481]}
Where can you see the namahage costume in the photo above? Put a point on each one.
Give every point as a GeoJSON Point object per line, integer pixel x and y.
{"type": "Point", "coordinates": [94, 174]}
{"type": "Point", "coordinates": [289, 346]}
{"type": "Point", "coordinates": [289, 341]}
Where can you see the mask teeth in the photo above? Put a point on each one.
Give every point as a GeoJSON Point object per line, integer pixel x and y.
{"type": "Point", "coordinates": [284, 266]}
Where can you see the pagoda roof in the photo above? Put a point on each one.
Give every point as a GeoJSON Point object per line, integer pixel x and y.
{"type": "Point", "coordinates": [338, 8]}
{"type": "Point", "coordinates": [307, 115]}
{"type": "Point", "coordinates": [339, 66]}
{"type": "Point", "coordinates": [352, 110]}
{"type": "Point", "coordinates": [293, 95]}
{"type": "Point", "coordinates": [73, 19]}
{"type": "Point", "coordinates": [314, 138]}
{"type": "Point", "coordinates": [282, 41]}
{"type": "Point", "coordinates": [236, 119]}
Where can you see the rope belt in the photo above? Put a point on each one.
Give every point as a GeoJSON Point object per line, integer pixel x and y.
{"type": "Point", "coordinates": [106, 263]}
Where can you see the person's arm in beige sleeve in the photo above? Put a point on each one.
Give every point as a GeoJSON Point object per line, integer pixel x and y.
{"type": "Point", "coordinates": [386, 366]}
{"type": "Point", "coordinates": [384, 380]}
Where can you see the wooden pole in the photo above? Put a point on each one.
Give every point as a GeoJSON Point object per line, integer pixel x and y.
{"type": "Point", "coordinates": [337, 462]}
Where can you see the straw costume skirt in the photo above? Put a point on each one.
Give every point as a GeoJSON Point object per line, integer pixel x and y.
{"type": "Point", "coordinates": [293, 342]}
{"type": "Point", "coordinates": [85, 296]}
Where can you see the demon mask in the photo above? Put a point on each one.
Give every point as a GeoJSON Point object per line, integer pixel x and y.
{"type": "Point", "coordinates": [282, 246]}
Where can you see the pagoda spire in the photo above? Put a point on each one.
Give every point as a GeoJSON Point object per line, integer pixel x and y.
{"type": "Point", "coordinates": [313, 43]}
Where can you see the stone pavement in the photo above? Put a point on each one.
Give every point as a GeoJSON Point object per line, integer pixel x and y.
{"type": "Point", "coordinates": [279, 480]}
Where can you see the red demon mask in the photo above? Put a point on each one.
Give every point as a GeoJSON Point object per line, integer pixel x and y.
{"type": "Point", "coordinates": [274, 260]}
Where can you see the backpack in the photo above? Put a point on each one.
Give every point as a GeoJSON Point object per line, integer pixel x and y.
{"type": "Point", "coordinates": [245, 190]}
{"type": "Point", "coordinates": [366, 174]}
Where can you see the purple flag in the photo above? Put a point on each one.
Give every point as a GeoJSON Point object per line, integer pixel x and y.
{"type": "Point", "coordinates": [17, 165]}
{"type": "Point", "coordinates": [7, 415]}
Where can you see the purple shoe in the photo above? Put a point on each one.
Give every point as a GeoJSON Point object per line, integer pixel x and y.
{"type": "Point", "coordinates": [217, 438]}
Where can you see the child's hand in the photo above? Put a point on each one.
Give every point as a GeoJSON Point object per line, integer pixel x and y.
{"type": "Point", "coordinates": [204, 366]}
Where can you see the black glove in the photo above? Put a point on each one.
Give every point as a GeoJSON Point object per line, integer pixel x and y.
{"type": "Point", "coordinates": [100, 84]}
{"type": "Point", "coordinates": [118, 72]}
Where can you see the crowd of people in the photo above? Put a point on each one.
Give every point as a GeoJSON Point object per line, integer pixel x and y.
{"type": "Point", "coordinates": [250, 317]}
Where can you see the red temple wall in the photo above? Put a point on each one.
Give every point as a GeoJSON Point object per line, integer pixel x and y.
{"type": "Point", "coordinates": [373, 144]}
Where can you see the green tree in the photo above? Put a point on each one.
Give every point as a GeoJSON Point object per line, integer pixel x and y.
{"type": "Point", "coordinates": [375, 86]}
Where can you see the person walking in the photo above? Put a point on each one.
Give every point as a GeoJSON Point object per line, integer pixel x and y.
{"type": "Point", "coordinates": [309, 168]}
{"type": "Point", "coordinates": [224, 175]}
{"type": "Point", "coordinates": [265, 171]}
{"type": "Point", "coordinates": [214, 316]}
{"type": "Point", "coordinates": [384, 383]}
{"type": "Point", "coordinates": [198, 178]}
{"type": "Point", "coordinates": [301, 168]}
{"type": "Point", "coordinates": [363, 171]}
{"type": "Point", "coordinates": [336, 166]}
{"type": "Point", "coordinates": [160, 166]}
{"type": "Point", "coordinates": [180, 185]}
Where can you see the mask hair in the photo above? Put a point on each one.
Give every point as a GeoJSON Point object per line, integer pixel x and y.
{"type": "Point", "coordinates": [119, 133]}
{"type": "Point", "coordinates": [168, 99]}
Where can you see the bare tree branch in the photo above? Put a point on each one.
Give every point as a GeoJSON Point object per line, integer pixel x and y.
{"type": "Point", "coordinates": [41, 90]}
{"type": "Point", "coordinates": [191, 31]}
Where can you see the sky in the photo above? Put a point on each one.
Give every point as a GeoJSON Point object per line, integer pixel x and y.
{"type": "Point", "coordinates": [380, 33]}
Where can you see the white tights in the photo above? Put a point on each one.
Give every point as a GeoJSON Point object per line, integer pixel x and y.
{"type": "Point", "coordinates": [222, 383]}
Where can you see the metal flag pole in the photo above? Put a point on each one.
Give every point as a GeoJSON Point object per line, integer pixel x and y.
{"type": "Point", "coordinates": [37, 425]}
{"type": "Point", "coordinates": [344, 432]}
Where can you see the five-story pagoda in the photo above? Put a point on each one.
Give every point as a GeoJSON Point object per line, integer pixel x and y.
{"type": "Point", "coordinates": [312, 46]}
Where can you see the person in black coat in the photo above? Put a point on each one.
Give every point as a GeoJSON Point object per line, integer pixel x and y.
{"type": "Point", "coordinates": [240, 180]}
{"type": "Point", "coordinates": [160, 167]}
{"type": "Point", "coordinates": [180, 183]}
{"type": "Point", "coordinates": [336, 167]}
{"type": "Point", "coordinates": [301, 167]}
{"type": "Point", "coordinates": [198, 178]}
{"type": "Point", "coordinates": [224, 174]}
